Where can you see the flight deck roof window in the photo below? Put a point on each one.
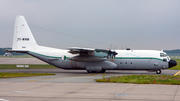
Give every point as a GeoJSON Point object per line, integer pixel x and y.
{"type": "Point", "coordinates": [163, 55]}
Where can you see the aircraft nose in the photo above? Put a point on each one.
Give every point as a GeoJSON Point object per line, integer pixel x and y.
{"type": "Point", "coordinates": [172, 63]}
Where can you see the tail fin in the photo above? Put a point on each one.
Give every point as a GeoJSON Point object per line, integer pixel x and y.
{"type": "Point", "coordinates": [23, 38]}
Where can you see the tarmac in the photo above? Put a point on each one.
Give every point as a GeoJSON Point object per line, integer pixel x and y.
{"type": "Point", "coordinates": [35, 91]}
{"type": "Point", "coordinates": [78, 85]}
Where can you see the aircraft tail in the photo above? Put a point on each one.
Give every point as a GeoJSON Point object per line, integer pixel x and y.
{"type": "Point", "coordinates": [23, 39]}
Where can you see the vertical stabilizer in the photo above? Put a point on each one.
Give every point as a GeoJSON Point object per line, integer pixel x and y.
{"type": "Point", "coordinates": [23, 38]}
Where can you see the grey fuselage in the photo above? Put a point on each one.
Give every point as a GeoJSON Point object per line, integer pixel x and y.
{"type": "Point", "coordinates": [127, 62]}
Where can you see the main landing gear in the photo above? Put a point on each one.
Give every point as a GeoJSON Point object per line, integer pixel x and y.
{"type": "Point", "coordinates": [103, 71]}
{"type": "Point", "coordinates": [158, 71]}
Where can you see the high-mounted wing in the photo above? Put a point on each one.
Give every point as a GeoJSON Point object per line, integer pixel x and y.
{"type": "Point", "coordinates": [85, 55]}
{"type": "Point", "coordinates": [81, 51]}
{"type": "Point", "coordinates": [91, 55]}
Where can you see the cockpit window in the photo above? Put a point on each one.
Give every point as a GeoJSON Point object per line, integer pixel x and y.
{"type": "Point", "coordinates": [163, 55]}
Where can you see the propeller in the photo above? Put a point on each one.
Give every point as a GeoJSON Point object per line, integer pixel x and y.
{"type": "Point", "coordinates": [112, 53]}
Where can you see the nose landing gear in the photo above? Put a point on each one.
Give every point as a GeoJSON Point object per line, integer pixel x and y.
{"type": "Point", "coordinates": [158, 71]}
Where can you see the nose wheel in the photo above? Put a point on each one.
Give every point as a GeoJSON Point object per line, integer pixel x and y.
{"type": "Point", "coordinates": [158, 71]}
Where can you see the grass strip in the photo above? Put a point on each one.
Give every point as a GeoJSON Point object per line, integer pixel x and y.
{"type": "Point", "coordinates": [13, 66]}
{"type": "Point", "coordinates": [143, 79]}
{"type": "Point", "coordinates": [13, 75]}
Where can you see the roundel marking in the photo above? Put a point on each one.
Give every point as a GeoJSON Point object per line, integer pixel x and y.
{"type": "Point", "coordinates": [63, 57]}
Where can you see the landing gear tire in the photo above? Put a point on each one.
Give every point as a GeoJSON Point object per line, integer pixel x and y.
{"type": "Point", "coordinates": [88, 71]}
{"type": "Point", "coordinates": [158, 71]}
{"type": "Point", "coordinates": [91, 71]}
{"type": "Point", "coordinates": [103, 71]}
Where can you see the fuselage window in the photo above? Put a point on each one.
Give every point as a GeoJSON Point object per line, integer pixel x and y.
{"type": "Point", "coordinates": [131, 62]}
{"type": "Point", "coordinates": [125, 62]}
{"type": "Point", "coordinates": [120, 62]}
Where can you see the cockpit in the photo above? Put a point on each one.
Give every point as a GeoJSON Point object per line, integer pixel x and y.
{"type": "Point", "coordinates": [163, 55]}
{"type": "Point", "coordinates": [166, 58]}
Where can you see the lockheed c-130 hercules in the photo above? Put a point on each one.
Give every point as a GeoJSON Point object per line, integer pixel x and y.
{"type": "Point", "coordinates": [91, 60]}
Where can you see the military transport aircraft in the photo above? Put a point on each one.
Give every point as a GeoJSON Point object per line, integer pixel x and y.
{"type": "Point", "coordinates": [91, 60]}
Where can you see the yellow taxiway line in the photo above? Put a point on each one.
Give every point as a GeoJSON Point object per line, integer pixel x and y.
{"type": "Point", "coordinates": [177, 73]}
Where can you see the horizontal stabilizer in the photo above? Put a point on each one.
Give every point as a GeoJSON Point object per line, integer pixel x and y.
{"type": "Point", "coordinates": [19, 51]}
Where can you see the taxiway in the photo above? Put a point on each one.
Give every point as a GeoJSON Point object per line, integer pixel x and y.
{"type": "Point", "coordinates": [69, 85]}
{"type": "Point", "coordinates": [78, 85]}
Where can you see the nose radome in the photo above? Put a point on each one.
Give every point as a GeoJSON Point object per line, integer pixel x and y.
{"type": "Point", "coordinates": [172, 63]}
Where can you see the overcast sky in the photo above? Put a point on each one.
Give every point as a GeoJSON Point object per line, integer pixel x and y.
{"type": "Point", "coordinates": [138, 24]}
